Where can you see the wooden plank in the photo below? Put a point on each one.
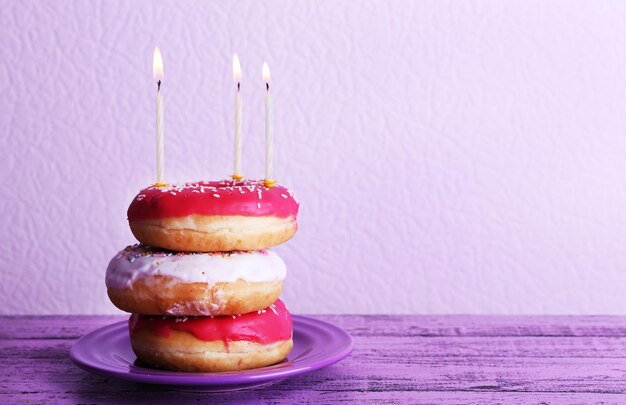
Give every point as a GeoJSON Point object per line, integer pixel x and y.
{"type": "Point", "coordinates": [487, 326]}
{"type": "Point", "coordinates": [72, 327]}
{"type": "Point", "coordinates": [137, 395]}
{"type": "Point", "coordinates": [52, 327]}
{"type": "Point", "coordinates": [398, 349]}
{"type": "Point", "coordinates": [381, 349]}
{"type": "Point", "coordinates": [38, 362]}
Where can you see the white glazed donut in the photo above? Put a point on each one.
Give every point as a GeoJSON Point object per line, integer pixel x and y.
{"type": "Point", "coordinates": [150, 281]}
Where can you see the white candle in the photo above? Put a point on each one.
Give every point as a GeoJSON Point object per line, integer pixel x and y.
{"type": "Point", "coordinates": [157, 73]}
{"type": "Point", "coordinates": [237, 76]}
{"type": "Point", "coordinates": [269, 130]}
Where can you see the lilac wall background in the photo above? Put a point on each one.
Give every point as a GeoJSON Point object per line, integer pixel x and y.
{"type": "Point", "coordinates": [450, 157]}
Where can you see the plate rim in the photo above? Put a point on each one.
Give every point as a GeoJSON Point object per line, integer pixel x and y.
{"type": "Point", "coordinates": [189, 379]}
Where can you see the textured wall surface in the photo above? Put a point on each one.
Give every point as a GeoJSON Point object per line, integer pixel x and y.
{"type": "Point", "coordinates": [450, 157]}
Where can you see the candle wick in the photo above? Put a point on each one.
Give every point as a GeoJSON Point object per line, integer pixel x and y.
{"type": "Point", "coordinates": [267, 86]}
{"type": "Point", "coordinates": [238, 86]}
{"type": "Point", "coordinates": [158, 85]}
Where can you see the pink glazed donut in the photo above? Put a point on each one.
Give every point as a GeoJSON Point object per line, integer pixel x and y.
{"type": "Point", "coordinates": [211, 216]}
{"type": "Point", "coordinates": [210, 344]}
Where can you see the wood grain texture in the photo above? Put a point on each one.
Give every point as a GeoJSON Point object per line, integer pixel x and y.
{"type": "Point", "coordinates": [415, 359]}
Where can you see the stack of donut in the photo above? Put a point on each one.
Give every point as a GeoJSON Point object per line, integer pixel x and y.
{"type": "Point", "coordinates": [202, 285]}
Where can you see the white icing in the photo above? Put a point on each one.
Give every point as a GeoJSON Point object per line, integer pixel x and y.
{"type": "Point", "coordinates": [139, 261]}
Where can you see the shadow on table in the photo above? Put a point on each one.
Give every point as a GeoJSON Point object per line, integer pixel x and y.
{"type": "Point", "coordinates": [80, 386]}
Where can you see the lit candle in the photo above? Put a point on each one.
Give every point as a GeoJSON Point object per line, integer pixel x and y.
{"type": "Point", "coordinates": [157, 74]}
{"type": "Point", "coordinates": [269, 130]}
{"type": "Point", "coordinates": [237, 76]}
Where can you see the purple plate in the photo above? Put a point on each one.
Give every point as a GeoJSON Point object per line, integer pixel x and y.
{"type": "Point", "coordinates": [316, 344]}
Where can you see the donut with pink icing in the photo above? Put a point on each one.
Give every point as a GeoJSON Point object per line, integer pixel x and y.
{"type": "Point", "coordinates": [211, 216]}
{"type": "Point", "coordinates": [225, 343]}
{"type": "Point", "coordinates": [151, 281]}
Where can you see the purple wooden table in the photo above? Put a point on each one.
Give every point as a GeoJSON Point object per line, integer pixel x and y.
{"type": "Point", "coordinates": [417, 359]}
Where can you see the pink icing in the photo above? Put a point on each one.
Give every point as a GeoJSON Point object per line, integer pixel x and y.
{"type": "Point", "coordinates": [265, 326]}
{"type": "Point", "coordinates": [226, 197]}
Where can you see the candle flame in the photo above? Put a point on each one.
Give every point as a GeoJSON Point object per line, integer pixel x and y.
{"type": "Point", "coordinates": [157, 64]}
{"type": "Point", "coordinates": [266, 73]}
{"type": "Point", "coordinates": [236, 68]}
